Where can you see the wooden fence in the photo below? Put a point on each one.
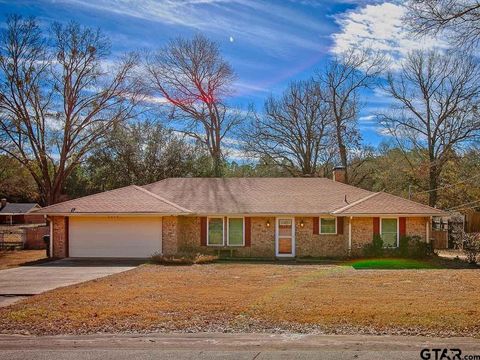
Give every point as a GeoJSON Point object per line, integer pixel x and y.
{"type": "Point", "coordinates": [472, 222]}
{"type": "Point", "coordinates": [26, 238]}
{"type": "Point", "coordinates": [439, 239]}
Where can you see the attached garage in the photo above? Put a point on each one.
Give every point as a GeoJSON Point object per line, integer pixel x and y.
{"type": "Point", "coordinates": [114, 236]}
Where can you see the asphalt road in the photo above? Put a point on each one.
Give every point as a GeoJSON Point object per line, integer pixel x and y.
{"type": "Point", "coordinates": [226, 346]}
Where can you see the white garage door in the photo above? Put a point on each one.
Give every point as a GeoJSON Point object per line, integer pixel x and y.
{"type": "Point", "coordinates": [135, 237]}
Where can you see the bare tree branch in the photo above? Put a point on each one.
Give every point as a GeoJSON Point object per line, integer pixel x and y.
{"type": "Point", "coordinates": [196, 81]}
{"type": "Point", "coordinates": [57, 101]}
{"type": "Point", "coordinates": [436, 98]}
{"type": "Point", "coordinates": [294, 130]}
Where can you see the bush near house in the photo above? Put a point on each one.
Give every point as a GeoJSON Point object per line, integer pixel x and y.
{"type": "Point", "coordinates": [414, 247]}
{"type": "Point", "coordinates": [409, 247]}
{"type": "Point", "coordinates": [375, 248]}
{"type": "Point", "coordinates": [183, 259]}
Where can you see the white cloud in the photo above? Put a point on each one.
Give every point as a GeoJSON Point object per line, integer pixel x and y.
{"type": "Point", "coordinates": [249, 21]}
{"type": "Point", "coordinates": [379, 27]}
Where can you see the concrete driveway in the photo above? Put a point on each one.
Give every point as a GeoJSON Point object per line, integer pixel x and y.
{"type": "Point", "coordinates": [23, 281]}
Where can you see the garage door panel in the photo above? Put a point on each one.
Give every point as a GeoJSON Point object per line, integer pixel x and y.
{"type": "Point", "coordinates": [114, 236]}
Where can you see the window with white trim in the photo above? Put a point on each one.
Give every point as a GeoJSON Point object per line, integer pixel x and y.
{"type": "Point", "coordinates": [389, 232]}
{"type": "Point", "coordinates": [328, 225]}
{"type": "Point", "coordinates": [235, 231]}
{"type": "Point", "coordinates": [215, 231]}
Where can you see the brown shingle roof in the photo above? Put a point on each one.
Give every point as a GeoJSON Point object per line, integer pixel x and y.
{"type": "Point", "coordinates": [131, 200]}
{"type": "Point", "coordinates": [383, 203]}
{"type": "Point", "coordinates": [209, 196]}
{"type": "Point", "coordinates": [257, 195]}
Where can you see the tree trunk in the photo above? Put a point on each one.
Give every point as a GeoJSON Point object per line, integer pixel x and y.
{"type": "Point", "coordinates": [343, 157]}
{"type": "Point", "coordinates": [217, 163]}
{"type": "Point", "coordinates": [432, 185]}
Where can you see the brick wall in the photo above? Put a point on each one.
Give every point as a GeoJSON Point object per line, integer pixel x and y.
{"type": "Point", "coordinates": [34, 237]}
{"type": "Point", "coordinates": [263, 239]}
{"type": "Point", "coordinates": [417, 227]}
{"type": "Point", "coordinates": [362, 233]}
{"type": "Point", "coordinates": [170, 235]}
{"type": "Point", "coordinates": [321, 245]}
{"type": "Point", "coordinates": [59, 235]}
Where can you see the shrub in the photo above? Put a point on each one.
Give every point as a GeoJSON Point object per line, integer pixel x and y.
{"type": "Point", "coordinates": [375, 248]}
{"type": "Point", "coordinates": [471, 247]}
{"type": "Point", "coordinates": [404, 245]}
{"type": "Point", "coordinates": [414, 247]}
{"type": "Point", "coordinates": [183, 259]}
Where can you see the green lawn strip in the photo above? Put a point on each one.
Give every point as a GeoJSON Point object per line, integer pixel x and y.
{"type": "Point", "coordinates": [391, 264]}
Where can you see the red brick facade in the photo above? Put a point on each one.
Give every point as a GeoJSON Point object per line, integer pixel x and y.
{"type": "Point", "coordinates": [183, 234]}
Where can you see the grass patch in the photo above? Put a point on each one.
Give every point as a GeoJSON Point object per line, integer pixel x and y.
{"type": "Point", "coordinates": [391, 264]}
{"type": "Point", "coordinates": [10, 259]}
{"type": "Point", "coordinates": [232, 297]}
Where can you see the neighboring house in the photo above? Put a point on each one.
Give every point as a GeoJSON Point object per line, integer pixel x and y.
{"type": "Point", "coordinates": [19, 213]}
{"type": "Point", "coordinates": [251, 217]}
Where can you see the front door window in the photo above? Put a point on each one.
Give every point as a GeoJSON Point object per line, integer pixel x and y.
{"type": "Point", "coordinates": [285, 237]}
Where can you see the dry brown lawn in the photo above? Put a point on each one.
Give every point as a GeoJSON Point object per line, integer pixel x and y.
{"type": "Point", "coordinates": [258, 297]}
{"type": "Point", "coordinates": [9, 259]}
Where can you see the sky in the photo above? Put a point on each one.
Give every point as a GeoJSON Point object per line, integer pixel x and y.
{"type": "Point", "coordinates": [268, 43]}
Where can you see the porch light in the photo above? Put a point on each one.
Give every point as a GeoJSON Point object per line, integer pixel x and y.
{"type": "Point", "coordinates": [302, 224]}
{"type": "Point", "coordinates": [268, 223]}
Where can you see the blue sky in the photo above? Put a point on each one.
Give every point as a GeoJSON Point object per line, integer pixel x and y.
{"type": "Point", "coordinates": [268, 43]}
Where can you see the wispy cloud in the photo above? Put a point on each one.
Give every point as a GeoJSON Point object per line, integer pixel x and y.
{"type": "Point", "coordinates": [256, 22]}
{"type": "Point", "coordinates": [379, 27]}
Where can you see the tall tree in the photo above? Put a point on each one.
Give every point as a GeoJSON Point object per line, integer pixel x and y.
{"type": "Point", "coordinates": [294, 130]}
{"type": "Point", "coordinates": [458, 20]}
{"type": "Point", "coordinates": [57, 100]}
{"type": "Point", "coordinates": [196, 81]}
{"type": "Point", "coordinates": [141, 153]}
{"type": "Point", "coordinates": [343, 78]}
{"type": "Point", "coordinates": [435, 112]}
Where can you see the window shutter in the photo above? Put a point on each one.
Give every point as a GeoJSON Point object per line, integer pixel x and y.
{"type": "Point", "coordinates": [340, 225]}
{"type": "Point", "coordinates": [203, 231]}
{"type": "Point", "coordinates": [316, 225]}
{"type": "Point", "coordinates": [248, 231]}
{"type": "Point", "coordinates": [402, 225]}
{"type": "Point", "coordinates": [376, 226]}
{"type": "Point", "coordinates": [225, 226]}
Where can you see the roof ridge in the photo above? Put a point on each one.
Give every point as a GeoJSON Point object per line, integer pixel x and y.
{"type": "Point", "coordinates": [338, 211]}
{"type": "Point", "coordinates": [158, 197]}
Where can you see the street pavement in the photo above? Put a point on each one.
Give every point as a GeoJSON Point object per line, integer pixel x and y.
{"type": "Point", "coordinates": [228, 346]}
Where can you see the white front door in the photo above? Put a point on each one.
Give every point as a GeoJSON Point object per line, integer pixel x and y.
{"type": "Point", "coordinates": [285, 237]}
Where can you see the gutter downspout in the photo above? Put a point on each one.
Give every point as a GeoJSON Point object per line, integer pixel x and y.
{"type": "Point", "coordinates": [429, 221]}
{"type": "Point", "coordinates": [350, 235]}
{"type": "Point", "coordinates": [51, 235]}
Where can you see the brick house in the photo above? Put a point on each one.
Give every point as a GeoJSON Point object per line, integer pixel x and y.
{"type": "Point", "coordinates": [248, 217]}
{"type": "Point", "coordinates": [19, 213]}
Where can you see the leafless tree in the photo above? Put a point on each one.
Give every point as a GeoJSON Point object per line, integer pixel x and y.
{"type": "Point", "coordinates": [294, 130]}
{"type": "Point", "coordinates": [458, 20]}
{"type": "Point", "coordinates": [343, 78]}
{"type": "Point", "coordinates": [196, 81]}
{"type": "Point", "coordinates": [56, 98]}
{"type": "Point", "coordinates": [435, 111]}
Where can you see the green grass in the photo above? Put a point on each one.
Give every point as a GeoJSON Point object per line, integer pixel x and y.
{"type": "Point", "coordinates": [391, 264]}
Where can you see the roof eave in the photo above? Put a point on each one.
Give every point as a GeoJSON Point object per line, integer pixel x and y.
{"type": "Point", "coordinates": [103, 213]}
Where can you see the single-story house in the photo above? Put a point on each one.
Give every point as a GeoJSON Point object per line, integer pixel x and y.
{"type": "Point", "coordinates": [19, 213]}
{"type": "Point", "coordinates": [249, 217]}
